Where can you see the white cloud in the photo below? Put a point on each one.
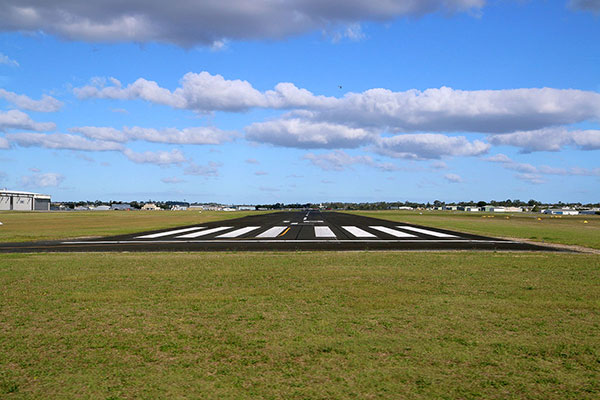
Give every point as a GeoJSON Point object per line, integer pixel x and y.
{"type": "Point", "coordinates": [172, 180]}
{"type": "Point", "coordinates": [252, 161]}
{"type": "Point", "coordinates": [432, 110]}
{"type": "Point", "coordinates": [261, 173]}
{"type": "Point", "coordinates": [4, 59]}
{"type": "Point", "coordinates": [15, 119]}
{"type": "Point", "coordinates": [533, 174]}
{"type": "Point", "coordinates": [211, 169]}
{"type": "Point", "coordinates": [188, 23]}
{"type": "Point", "coordinates": [48, 179]}
{"type": "Point", "coordinates": [336, 160]}
{"type": "Point", "coordinates": [4, 144]}
{"type": "Point", "coordinates": [549, 139]}
{"type": "Point", "coordinates": [453, 178]}
{"type": "Point", "coordinates": [421, 146]}
{"type": "Point", "coordinates": [46, 104]}
{"type": "Point", "coordinates": [174, 156]}
{"type": "Point", "coordinates": [195, 135]}
{"type": "Point", "coordinates": [61, 141]}
{"type": "Point", "coordinates": [339, 160]}
{"type": "Point", "coordinates": [295, 132]}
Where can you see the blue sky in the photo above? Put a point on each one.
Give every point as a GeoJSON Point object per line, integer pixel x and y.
{"type": "Point", "coordinates": [301, 100]}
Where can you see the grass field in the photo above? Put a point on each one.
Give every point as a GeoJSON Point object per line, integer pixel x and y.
{"type": "Point", "coordinates": [306, 325]}
{"type": "Point", "coordinates": [322, 325]}
{"type": "Point", "coordinates": [33, 226]}
{"type": "Point", "coordinates": [580, 230]}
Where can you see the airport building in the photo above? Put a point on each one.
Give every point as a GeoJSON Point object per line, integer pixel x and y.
{"type": "Point", "coordinates": [11, 200]}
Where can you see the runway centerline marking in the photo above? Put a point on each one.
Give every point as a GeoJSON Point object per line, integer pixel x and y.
{"type": "Point", "coordinates": [238, 232]}
{"type": "Point", "coordinates": [391, 231]}
{"type": "Point", "coordinates": [357, 232]}
{"type": "Point", "coordinates": [203, 233]}
{"type": "Point", "coordinates": [272, 232]}
{"type": "Point", "coordinates": [168, 233]}
{"type": "Point", "coordinates": [324, 231]}
{"type": "Point", "coordinates": [427, 232]}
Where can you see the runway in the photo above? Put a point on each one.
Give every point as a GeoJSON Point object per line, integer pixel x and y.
{"type": "Point", "coordinates": [301, 230]}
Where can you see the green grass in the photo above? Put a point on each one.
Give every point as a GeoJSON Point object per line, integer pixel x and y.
{"type": "Point", "coordinates": [32, 226]}
{"type": "Point", "coordinates": [322, 325]}
{"type": "Point", "coordinates": [569, 230]}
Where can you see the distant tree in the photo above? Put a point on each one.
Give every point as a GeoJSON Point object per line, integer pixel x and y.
{"type": "Point", "coordinates": [481, 204]}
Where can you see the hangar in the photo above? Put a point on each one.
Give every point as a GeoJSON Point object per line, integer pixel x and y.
{"type": "Point", "coordinates": [23, 201]}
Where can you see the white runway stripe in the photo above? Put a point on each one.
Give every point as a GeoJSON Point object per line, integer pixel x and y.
{"type": "Point", "coordinates": [427, 232]}
{"type": "Point", "coordinates": [323, 231]}
{"type": "Point", "coordinates": [168, 233]}
{"type": "Point", "coordinates": [272, 232]}
{"type": "Point", "coordinates": [391, 231]}
{"type": "Point", "coordinates": [357, 232]}
{"type": "Point", "coordinates": [238, 232]}
{"type": "Point", "coordinates": [203, 233]}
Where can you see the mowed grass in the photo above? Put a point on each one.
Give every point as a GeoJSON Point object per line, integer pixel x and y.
{"type": "Point", "coordinates": [323, 325]}
{"type": "Point", "coordinates": [569, 230]}
{"type": "Point", "coordinates": [33, 226]}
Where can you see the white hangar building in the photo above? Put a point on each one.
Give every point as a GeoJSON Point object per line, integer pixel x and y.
{"type": "Point", "coordinates": [23, 201]}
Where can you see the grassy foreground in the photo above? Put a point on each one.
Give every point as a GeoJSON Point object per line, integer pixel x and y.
{"type": "Point", "coordinates": [580, 230]}
{"type": "Point", "coordinates": [320, 325]}
{"type": "Point", "coordinates": [19, 226]}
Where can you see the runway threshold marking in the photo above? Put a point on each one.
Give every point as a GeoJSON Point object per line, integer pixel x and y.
{"type": "Point", "coordinates": [203, 233]}
{"type": "Point", "coordinates": [272, 232]}
{"type": "Point", "coordinates": [357, 232]}
{"type": "Point", "coordinates": [238, 232]}
{"type": "Point", "coordinates": [427, 232]}
{"type": "Point", "coordinates": [168, 233]}
{"type": "Point", "coordinates": [324, 231]}
{"type": "Point", "coordinates": [391, 231]}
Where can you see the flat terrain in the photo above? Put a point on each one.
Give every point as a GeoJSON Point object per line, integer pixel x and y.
{"type": "Point", "coordinates": [293, 230]}
{"type": "Point", "coordinates": [568, 230]}
{"type": "Point", "coordinates": [300, 325]}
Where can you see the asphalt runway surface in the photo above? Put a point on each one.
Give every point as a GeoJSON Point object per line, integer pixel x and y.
{"type": "Point", "coordinates": [292, 231]}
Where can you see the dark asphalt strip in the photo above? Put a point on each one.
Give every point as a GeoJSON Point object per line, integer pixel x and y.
{"type": "Point", "coordinates": [299, 237]}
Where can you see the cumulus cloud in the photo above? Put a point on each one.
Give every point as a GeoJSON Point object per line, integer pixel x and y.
{"type": "Point", "coordinates": [453, 178]}
{"type": "Point", "coordinates": [174, 156]}
{"type": "Point", "coordinates": [296, 132]}
{"type": "Point", "coordinates": [195, 135]}
{"type": "Point", "coordinates": [549, 139]}
{"type": "Point", "coordinates": [188, 23]}
{"type": "Point", "coordinates": [15, 119]}
{"type": "Point", "coordinates": [421, 146]}
{"type": "Point", "coordinates": [61, 141]}
{"type": "Point", "coordinates": [210, 169]}
{"type": "Point", "coordinates": [433, 110]}
{"type": "Point", "coordinates": [4, 59]}
{"type": "Point", "coordinates": [48, 179]}
{"type": "Point", "coordinates": [46, 104]}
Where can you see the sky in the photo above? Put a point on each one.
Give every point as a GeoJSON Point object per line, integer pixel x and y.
{"type": "Point", "coordinates": [271, 101]}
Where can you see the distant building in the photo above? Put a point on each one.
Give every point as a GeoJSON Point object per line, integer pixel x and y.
{"type": "Point", "coordinates": [246, 208]}
{"type": "Point", "coordinates": [471, 209]}
{"type": "Point", "coordinates": [23, 201]}
{"type": "Point", "coordinates": [502, 209]}
{"type": "Point", "coordinates": [150, 207]}
{"type": "Point", "coordinates": [560, 211]}
{"type": "Point", "coordinates": [121, 206]}
{"type": "Point", "coordinates": [178, 207]}
{"type": "Point", "coordinates": [590, 212]}
{"type": "Point", "coordinates": [100, 208]}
